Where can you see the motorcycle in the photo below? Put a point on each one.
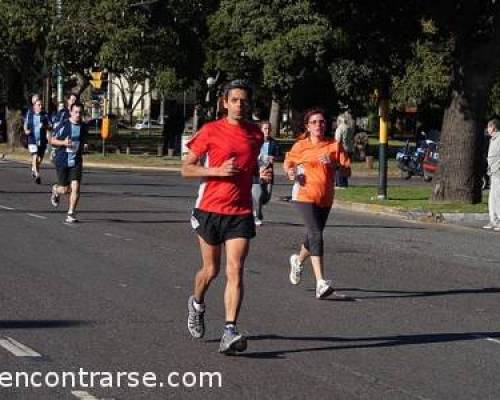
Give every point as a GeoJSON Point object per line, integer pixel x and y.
{"type": "Point", "coordinates": [420, 161]}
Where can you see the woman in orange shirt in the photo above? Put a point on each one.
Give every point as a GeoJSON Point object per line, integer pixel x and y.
{"type": "Point", "coordinates": [311, 164]}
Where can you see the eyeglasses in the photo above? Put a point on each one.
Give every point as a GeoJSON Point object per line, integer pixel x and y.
{"type": "Point", "coordinates": [317, 122]}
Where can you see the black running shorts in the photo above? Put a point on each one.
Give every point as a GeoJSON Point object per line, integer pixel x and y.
{"type": "Point", "coordinates": [217, 228]}
{"type": "Point", "coordinates": [65, 175]}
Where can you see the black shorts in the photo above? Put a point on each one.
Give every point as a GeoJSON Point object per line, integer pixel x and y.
{"type": "Point", "coordinates": [217, 228]}
{"type": "Point", "coordinates": [40, 151]}
{"type": "Point", "coordinates": [65, 175]}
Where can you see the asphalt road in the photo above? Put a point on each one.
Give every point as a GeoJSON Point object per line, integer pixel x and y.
{"type": "Point", "coordinates": [109, 295]}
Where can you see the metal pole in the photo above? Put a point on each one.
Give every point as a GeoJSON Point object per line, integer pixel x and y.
{"type": "Point", "coordinates": [110, 93]}
{"type": "Point", "coordinates": [59, 74]}
{"type": "Point", "coordinates": [383, 134]}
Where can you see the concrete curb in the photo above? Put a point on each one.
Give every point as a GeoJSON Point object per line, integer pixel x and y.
{"type": "Point", "coordinates": [428, 217]}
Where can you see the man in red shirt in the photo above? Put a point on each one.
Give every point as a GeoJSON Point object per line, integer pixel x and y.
{"type": "Point", "coordinates": [223, 210]}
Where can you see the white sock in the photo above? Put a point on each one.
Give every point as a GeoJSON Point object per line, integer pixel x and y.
{"type": "Point", "coordinates": [198, 306]}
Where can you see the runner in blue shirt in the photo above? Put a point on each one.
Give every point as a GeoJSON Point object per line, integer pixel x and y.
{"type": "Point", "coordinates": [36, 127]}
{"type": "Point", "coordinates": [68, 139]}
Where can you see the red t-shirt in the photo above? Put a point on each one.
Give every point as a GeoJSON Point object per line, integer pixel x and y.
{"type": "Point", "coordinates": [219, 141]}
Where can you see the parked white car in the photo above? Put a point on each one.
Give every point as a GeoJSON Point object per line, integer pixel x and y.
{"type": "Point", "coordinates": [147, 124]}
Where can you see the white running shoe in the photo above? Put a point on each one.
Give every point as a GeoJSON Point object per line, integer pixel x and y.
{"type": "Point", "coordinates": [54, 198]}
{"type": "Point", "coordinates": [295, 269]}
{"type": "Point", "coordinates": [258, 222]}
{"type": "Point", "coordinates": [490, 225]}
{"type": "Point", "coordinates": [70, 218]}
{"type": "Point", "coordinates": [323, 289]}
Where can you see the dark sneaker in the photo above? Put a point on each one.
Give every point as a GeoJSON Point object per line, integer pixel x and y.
{"type": "Point", "coordinates": [232, 342]}
{"type": "Point", "coordinates": [196, 321]}
{"type": "Point", "coordinates": [70, 218]}
{"type": "Point", "coordinates": [54, 197]}
{"type": "Point", "coordinates": [38, 180]}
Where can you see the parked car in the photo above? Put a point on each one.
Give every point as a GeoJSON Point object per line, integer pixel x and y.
{"type": "Point", "coordinates": [147, 124]}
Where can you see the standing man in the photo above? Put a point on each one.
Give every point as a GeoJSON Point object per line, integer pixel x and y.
{"type": "Point", "coordinates": [223, 211]}
{"type": "Point", "coordinates": [344, 134]}
{"type": "Point", "coordinates": [36, 127]}
{"type": "Point", "coordinates": [494, 173]}
{"type": "Point", "coordinates": [68, 140]}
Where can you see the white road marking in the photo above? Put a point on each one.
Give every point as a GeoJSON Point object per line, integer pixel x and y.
{"type": "Point", "coordinates": [37, 216]}
{"type": "Point", "coordinates": [83, 395]}
{"type": "Point", "coordinates": [488, 260]}
{"type": "Point", "coordinates": [489, 339]}
{"type": "Point", "coordinates": [16, 348]}
{"type": "Point", "coordinates": [7, 208]}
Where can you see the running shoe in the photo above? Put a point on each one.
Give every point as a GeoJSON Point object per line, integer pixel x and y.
{"type": "Point", "coordinates": [295, 269]}
{"type": "Point", "coordinates": [323, 289]}
{"type": "Point", "coordinates": [38, 180]}
{"type": "Point", "coordinates": [196, 321]}
{"type": "Point", "coordinates": [54, 197]}
{"type": "Point", "coordinates": [489, 226]}
{"type": "Point", "coordinates": [70, 218]}
{"type": "Point", "coordinates": [258, 221]}
{"type": "Point", "coordinates": [232, 341]}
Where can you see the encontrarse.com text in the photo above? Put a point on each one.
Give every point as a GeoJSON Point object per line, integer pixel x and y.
{"type": "Point", "coordinates": [92, 379]}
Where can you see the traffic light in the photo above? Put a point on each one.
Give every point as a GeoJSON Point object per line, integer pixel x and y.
{"type": "Point", "coordinates": [96, 81]}
{"type": "Point", "coordinates": [99, 79]}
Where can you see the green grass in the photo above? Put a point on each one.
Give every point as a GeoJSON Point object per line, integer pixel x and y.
{"type": "Point", "coordinates": [150, 160]}
{"type": "Point", "coordinates": [408, 198]}
{"type": "Point", "coordinates": [139, 160]}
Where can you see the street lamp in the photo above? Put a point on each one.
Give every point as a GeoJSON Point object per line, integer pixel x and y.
{"type": "Point", "coordinates": [211, 84]}
{"type": "Point", "coordinates": [59, 75]}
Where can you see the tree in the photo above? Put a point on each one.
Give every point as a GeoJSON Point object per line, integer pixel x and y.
{"type": "Point", "coordinates": [162, 39]}
{"type": "Point", "coordinates": [279, 39]}
{"type": "Point", "coordinates": [473, 28]}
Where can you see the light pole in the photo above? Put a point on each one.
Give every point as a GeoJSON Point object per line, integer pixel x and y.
{"type": "Point", "coordinates": [59, 74]}
{"type": "Point", "coordinates": [211, 83]}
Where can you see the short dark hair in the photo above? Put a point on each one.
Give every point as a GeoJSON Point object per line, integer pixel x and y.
{"type": "Point", "coordinates": [77, 104]}
{"type": "Point", "coordinates": [238, 84]}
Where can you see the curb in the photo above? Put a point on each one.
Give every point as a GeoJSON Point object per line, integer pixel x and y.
{"type": "Point", "coordinates": [420, 216]}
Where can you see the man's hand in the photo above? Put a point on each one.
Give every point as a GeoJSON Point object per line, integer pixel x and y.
{"type": "Point", "coordinates": [291, 174]}
{"type": "Point", "coordinates": [228, 168]}
{"type": "Point", "coordinates": [266, 174]}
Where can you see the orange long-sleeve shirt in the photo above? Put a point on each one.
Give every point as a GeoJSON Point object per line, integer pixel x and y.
{"type": "Point", "coordinates": [318, 183]}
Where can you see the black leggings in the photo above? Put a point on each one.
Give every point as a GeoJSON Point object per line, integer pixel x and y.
{"type": "Point", "coordinates": [315, 220]}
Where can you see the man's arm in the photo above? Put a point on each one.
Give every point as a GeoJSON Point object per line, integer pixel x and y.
{"type": "Point", "coordinates": [192, 169]}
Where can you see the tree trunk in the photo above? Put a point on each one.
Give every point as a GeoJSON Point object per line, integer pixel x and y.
{"type": "Point", "coordinates": [274, 117]}
{"type": "Point", "coordinates": [14, 129]}
{"type": "Point", "coordinates": [462, 136]}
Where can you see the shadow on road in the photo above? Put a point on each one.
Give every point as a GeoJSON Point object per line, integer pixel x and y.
{"type": "Point", "coordinates": [346, 343]}
{"type": "Point", "coordinates": [391, 294]}
{"type": "Point", "coordinates": [42, 324]}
